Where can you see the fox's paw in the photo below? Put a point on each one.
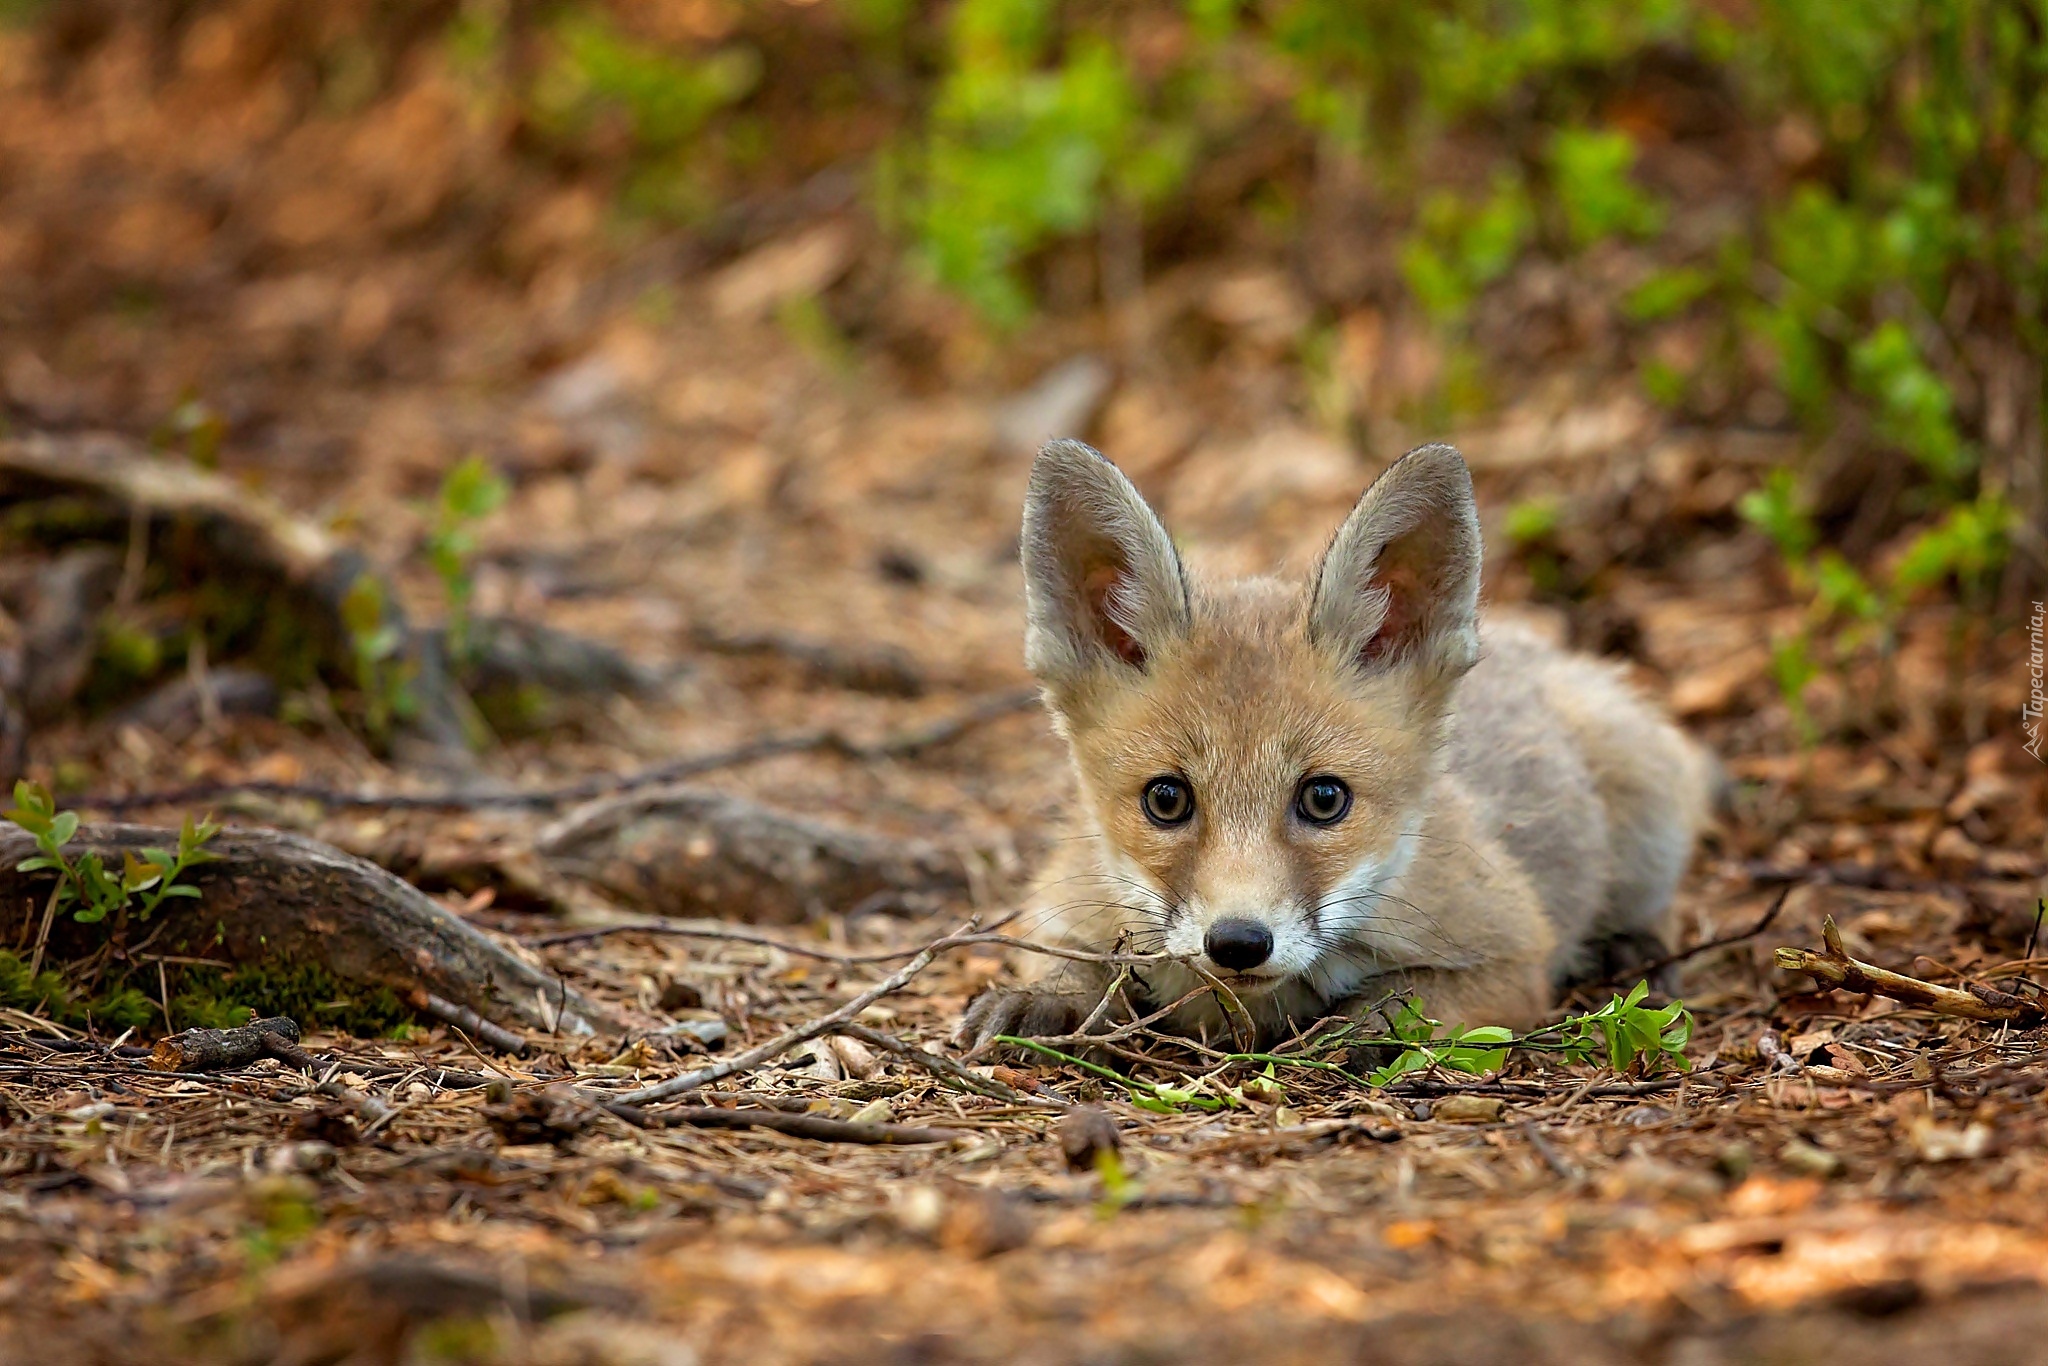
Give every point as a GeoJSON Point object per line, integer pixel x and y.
{"type": "Point", "coordinates": [1021, 1014]}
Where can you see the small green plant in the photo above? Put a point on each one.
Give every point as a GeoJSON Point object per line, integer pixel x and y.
{"type": "Point", "coordinates": [600, 77]}
{"type": "Point", "coordinates": [195, 427]}
{"type": "Point", "coordinates": [1846, 612]}
{"type": "Point", "coordinates": [471, 492]}
{"type": "Point", "coordinates": [1590, 171]}
{"type": "Point", "coordinates": [1666, 294]}
{"type": "Point", "coordinates": [1625, 1033]}
{"type": "Point", "coordinates": [1117, 1186]}
{"type": "Point", "coordinates": [377, 646]}
{"type": "Point", "coordinates": [1777, 510]}
{"type": "Point", "coordinates": [1027, 144]}
{"type": "Point", "coordinates": [1914, 408]}
{"type": "Point", "coordinates": [1471, 1051]}
{"type": "Point", "coordinates": [281, 1213]}
{"type": "Point", "coordinates": [1967, 547]}
{"type": "Point", "coordinates": [1461, 245]}
{"type": "Point", "coordinates": [202, 995]}
{"type": "Point", "coordinates": [32, 988]}
{"type": "Point", "coordinates": [1622, 1033]}
{"type": "Point", "coordinates": [86, 887]}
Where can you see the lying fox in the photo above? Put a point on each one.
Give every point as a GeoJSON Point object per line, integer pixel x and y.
{"type": "Point", "coordinates": [1329, 796]}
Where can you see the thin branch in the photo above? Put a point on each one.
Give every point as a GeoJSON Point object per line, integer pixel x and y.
{"type": "Point", "coordinates": [1655, 966]}
{"type": "Point", "coordinates": [709, 929]}
{"type": "Point", "coordinates": [782, 1043]}
{"type": "Point", "coordinates": [816, 1127]}
{"type": "Point", "coordinates": [945, 1068]}
{"type": "Point", "coordinates": [1835, 968]}
{"type": "Point", "coordinates": [1085, 1036]}
{"type": "Point", "coordinates": [903, 745]}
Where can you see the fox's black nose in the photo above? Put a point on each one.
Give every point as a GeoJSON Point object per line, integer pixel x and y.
{"type": "Point", "coordinates": [1239, 945]}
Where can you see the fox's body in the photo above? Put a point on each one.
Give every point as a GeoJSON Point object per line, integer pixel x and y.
{"type": "Point", "coordinates": [1325, 796]}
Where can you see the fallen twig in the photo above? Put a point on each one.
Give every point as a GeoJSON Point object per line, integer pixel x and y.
{"type": "Point", "coordinates": [903, 745]}
{"type": "Point", "coordinates": [462, 1017]}
{"type": "Point", "coordinates": [796, 1126]}
{"type": "Point", "coordinates": [707, 929]}
{"type": "Point", "coordinates": [1646, 971]}
{"type": "Point", "coordinates": [884, 670]}
{"type": "Point", "coordinates": [281, 1048]}
{"type": "Point", "coordinates": [212, 1050]}
{"type": "Point", "coordinates": [369, 1107]}
{"type": "Point", "coordinates": [945, 1068]}
{"type": "Point", "coordinates": [1835, 968]}
{"type": "Point", "coordinates": [782, 1043]}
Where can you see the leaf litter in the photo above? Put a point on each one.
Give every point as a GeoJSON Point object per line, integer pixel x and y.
{"type": "Point", "coordinates": [1833, 1173]}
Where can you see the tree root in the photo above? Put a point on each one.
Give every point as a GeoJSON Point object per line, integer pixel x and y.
{"type": "Point", "coordinates": [246, 531]}
{"type": "Point", "coordinates": [280, 898]}
{"type": "Point", "coordinates": [686, 850]}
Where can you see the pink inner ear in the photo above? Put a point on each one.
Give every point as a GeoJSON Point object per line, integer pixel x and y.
{"type": "Point", "coordinates": [1097, 589]}
{"type": "Point", "coordinates": [1400, 623]}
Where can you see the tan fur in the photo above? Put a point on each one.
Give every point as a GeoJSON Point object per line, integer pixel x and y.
{"type": "Point", "coordinates": [1513, 808]}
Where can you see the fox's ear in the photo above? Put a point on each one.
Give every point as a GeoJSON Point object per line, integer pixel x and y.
{"type": "Point", "coordinates": [1102, 584]}
{"type": "Point", "coordinates": [1400, 583]}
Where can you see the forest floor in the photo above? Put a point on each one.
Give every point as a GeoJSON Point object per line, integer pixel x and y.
{"type": "Point", "coordinates": [693, 459]}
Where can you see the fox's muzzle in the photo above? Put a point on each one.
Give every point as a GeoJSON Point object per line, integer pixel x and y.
{"type": "Point", "coordinates": [1238, 945]}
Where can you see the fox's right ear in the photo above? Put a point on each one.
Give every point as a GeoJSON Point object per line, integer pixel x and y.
{"type": "Point", "coordinates": [1102, 584]}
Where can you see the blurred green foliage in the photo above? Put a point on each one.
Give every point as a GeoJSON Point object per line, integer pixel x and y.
{"type": "Point", "coordinates": [470, 492]}
{"type": "Point", "coordinates": [1021, 147]}
{"type": "Point", "coordinates": [1459, 245]}
{"type": "Point", "coordinates": [1875, 275]}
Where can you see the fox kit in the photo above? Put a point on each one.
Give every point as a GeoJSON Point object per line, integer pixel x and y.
{"type": "Point", "coordinates": [1324, 796]}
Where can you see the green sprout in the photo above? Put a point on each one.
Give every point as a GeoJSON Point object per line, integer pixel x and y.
{"type": "Point", "coordinates": [1625, 1033]}
{"type": "Point", "coordinates": [85, 885]}
{"type": "Point", "coordinates": [471, 492]}
{"type": "Point", "coordinates": [377, 644]}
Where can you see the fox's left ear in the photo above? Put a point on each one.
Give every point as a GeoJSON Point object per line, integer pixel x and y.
{"type": "Point", "coordinates": [1400, 583]}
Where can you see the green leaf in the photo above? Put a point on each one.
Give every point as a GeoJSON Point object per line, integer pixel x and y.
{"type": "Point", "coordinates": [136, 875]}
{"type": "Point", "coordinates": [35, 822]}
{"type": "Point", "coordinates": [1474, 1060]}
{"type": "Point", "coordinates": [1779, 511]}
{"type": "Point", "coordinates": [1666, 293]}
{"type": "Point", "coordinates": [63, 826]}
{"type": "Point", "coordinates": [362, 608]}
{"type": "Point", "coordinates": [32, 799]}
{"type": "Point", "coordinates": [1411, 1060]}
{"type": "Point", "coordinates": [1486, 1034]}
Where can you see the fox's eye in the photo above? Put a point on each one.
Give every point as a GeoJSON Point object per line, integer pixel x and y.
{"type": "Point", "coordinates": [1168, 801]}
{"type": "Point", "coordinates": [1323, 800]}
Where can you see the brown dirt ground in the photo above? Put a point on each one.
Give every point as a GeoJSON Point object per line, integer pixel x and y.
{"type": "Point", "coordinates": [367, 299]}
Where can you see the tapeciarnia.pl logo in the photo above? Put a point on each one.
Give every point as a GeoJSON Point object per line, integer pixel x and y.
{"type": "Point", "coordinates": [2030, 714]}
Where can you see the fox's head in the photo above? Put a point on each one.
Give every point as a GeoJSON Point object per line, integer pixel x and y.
{"type": "Point", "coordinates": [1255, 755]}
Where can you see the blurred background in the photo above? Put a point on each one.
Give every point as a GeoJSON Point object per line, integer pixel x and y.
{"type": "Point", "coordinates": [723, 332]}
